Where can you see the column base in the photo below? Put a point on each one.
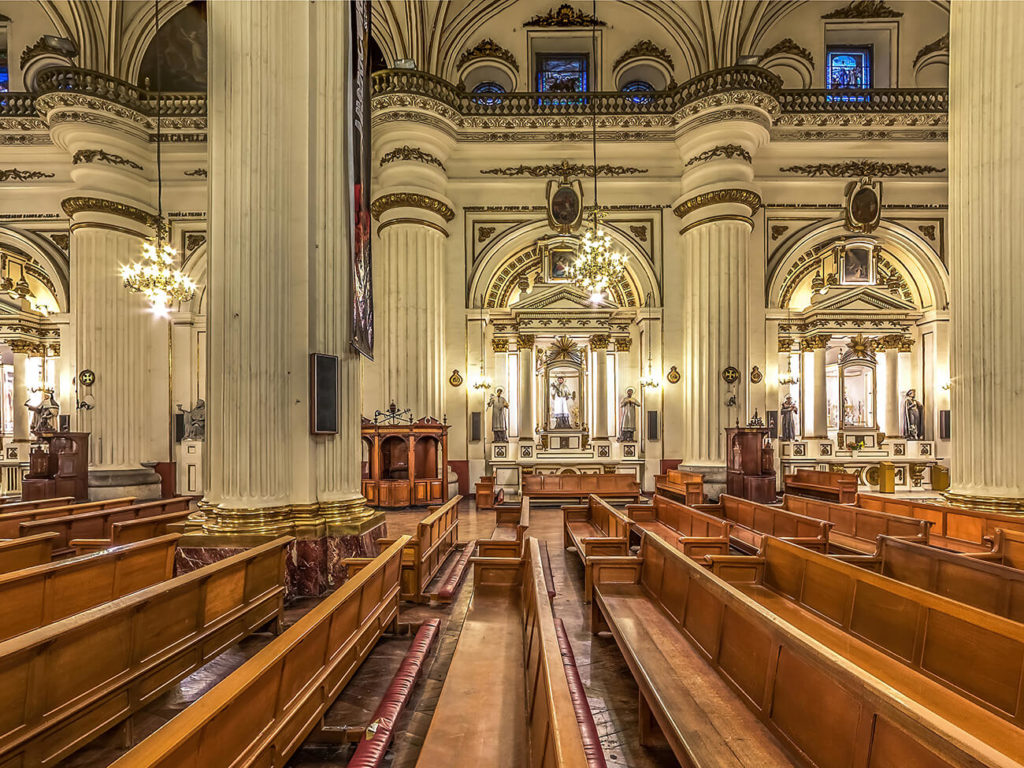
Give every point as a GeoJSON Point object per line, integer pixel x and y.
{"type": "Point", "coordinates": [999, 504]}
{"type": "Point", "coordinates": [714, 477]}
{"type": "Point", "coordinates": [142, 483]}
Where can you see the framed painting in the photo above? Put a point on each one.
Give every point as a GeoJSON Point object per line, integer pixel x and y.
{"type": "Point", "coordinates": [857, 264]}
{"type": "Point", "coordinates": [565, 205]}
{"type": "Point", "coordinates": [361, 271]}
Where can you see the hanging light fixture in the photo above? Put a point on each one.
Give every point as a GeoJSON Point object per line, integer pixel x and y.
{"type": "Point", "coordinates": [155, 276]}
{"type": "Point", "coordinates": [597, 265]}
{"type": "Point", "coordinates": [650, 381]}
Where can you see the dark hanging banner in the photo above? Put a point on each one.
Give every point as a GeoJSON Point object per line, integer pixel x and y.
{"type": "Point", "coordinates": [362, 272]}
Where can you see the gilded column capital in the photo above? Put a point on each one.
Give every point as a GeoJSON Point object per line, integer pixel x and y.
{"type": "Point", "coordinates": [499, 344]}
{"type": "Point", "coordinates": [889, 341]}
{"type": "Point", "coordinates": [73, 206]}
{"type": "Point", "coordinates": [599, 341]}
{"type": "Point", "coordinates": [410, 200]}
{"type": "Point", "coordinates": [525, 340]}
{"type": "Point", "coordinates": [623, 344]}
{"type": "Point", "coordinates": [25, 347]}
{"type": "Point", "coordinates": [785, 345]}
{"type": "Point", "coordinates": [746, 197]}
{"type": "Point", "coordinates": [54, 349]}
{"type": "Point", "coordinates": [906, 344]}
{"type": "Point", "coordinates": [815, 342]}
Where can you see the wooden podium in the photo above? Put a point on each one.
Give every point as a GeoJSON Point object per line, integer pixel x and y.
{"type": "Point", "coordinates": [750, 471]}
{"type": "Point", "coordinates": [60, 470]}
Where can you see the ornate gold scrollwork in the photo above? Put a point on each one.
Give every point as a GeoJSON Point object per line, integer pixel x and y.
{"type": "Point", "coordinates": [745, 197]}
{"type": "Point", "coordinates": [410, 200]}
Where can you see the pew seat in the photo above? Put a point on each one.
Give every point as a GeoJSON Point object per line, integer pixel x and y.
{"type": "Point", "coordinates": [511, 521]}
{"type": "Point", "coordinates": [692, 532]}
{"type": "Point", "coordinates": [593, 529]}
{"type": "Point", "coordinates": [831, 486]}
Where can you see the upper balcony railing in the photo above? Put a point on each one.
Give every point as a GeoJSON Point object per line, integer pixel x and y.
{"type": "Point", "coordinates": [910, 100]}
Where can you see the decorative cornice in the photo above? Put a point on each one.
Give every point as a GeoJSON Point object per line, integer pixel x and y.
{"type": "Point", "coordinates": [16, 174]}
{"type": "Point", "coordinates": [565, 169]}
{"type": "Point", "coordinates": [727, 151]}
{"type": "Point", "coordinates": [864, 9]}
{"type": "Point", "coordinates": [197, 173]}
{"type": "Point", "coordinates": [788, 45]}
{"type": "Point", "coordinates": [411, 153]}
{"type": "Point", "coordinates": [74, 205]}
{"type": "Point", "coordinates": [862, 168]}
{"type": "Point", "coordinates": [410, 200]}
{"type": "Point", "coordinates": [564, 16]}
{"type": "Point", "coordinates": [410, 220]}
{"type": "Point", "coordinates": [487, 49]}
{"type": "Point", "coordinates": [646, 49]}
{"type": "Point", "coordinates": [623, 343]}
{"type": "Point", "coordinates": [599, 341]}
{"type": "Point", "coordinates": [102, 156]}
{"type": "Point", "coordinates": [942, 44]}
{"type": "Point", "coordinates": [745, 197]}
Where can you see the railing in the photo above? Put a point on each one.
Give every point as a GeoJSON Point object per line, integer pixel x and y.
{"type": "Point", "coordinates": [13, 471]}
{"type": "Point", "coordinates": [914, 100]}
{"type": "Point", "coordinates": [18, 105]}
{"type": "Point", "coordinates": [120, 92]}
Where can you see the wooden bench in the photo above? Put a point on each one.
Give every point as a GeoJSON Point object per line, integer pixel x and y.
{"type": "Point", "coordinates": [16, 554]}
{"type": "Point", "coordinates": [989, 586]}
{"type": "Point", "coordinates": [1007, 549]}
{"type": "Point", "coordinates": [835, 486]}
{"type": "Point", "coordinates": [570, 486]}
{"type": "Point", "coordinates": [97, 525]}
{"type": "Point", "coordinates": [963, 530]}
{"type": "Point", "coordinates": [22, 506]}
{"type": "Point", "coordinates": [35, 597]}
{"type": "Point", "coordinates": [426, 552]}
{"type": "Point", "coordinates": [506, 701]}
{"type": "Point", "coordinates": [129, 531]}
{"type": "Point", "coordinates": [63, 684]}
{"type": "Point", "coordinates": [594, 528]}
{"type": "Point", "coordinates": [729, 684]}
{"type": "Point", "coordinates": [9, 521]}
{"type": "Point", "coordinates": [485, 493]}
{"type": "Point", "coordinates": [261, 713]}
{"type": "Point", "coordinates": [687, 487]}
{"type": "Point", "coordinates": [857, 530]}
{"type": "Point", "coordinates": [957, 662]}
{"type": "Point", "coordinates": [753, 521]}
{"type": "Point", "coordinates": [692, 532]}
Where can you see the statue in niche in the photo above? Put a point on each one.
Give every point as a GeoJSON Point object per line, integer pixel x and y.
{"type": "Point", "coordinates": [561, 395]}
{"type": "Point", "coordinates": [195, 421]}
{"type": "Point", "coordinates": [43, 415]}
{"type": "Point", "coordinates": [627, 417]}
{"type": "Point", "coordinates": [913, 411]}
{"type": "Point", "coordinates": [789, 411]}
{"type": "Point", "coordinates": [499, 415]}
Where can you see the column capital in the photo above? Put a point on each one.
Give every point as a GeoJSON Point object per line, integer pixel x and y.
{"type": "Point", "coordinates": [815, 342]}
{"type": "Point", "coordinates": [499, 344]}
{"type": "Point", "coordinates": [599, 341]}
{"type": "Point", "coordinates": [525, 341]}
{"type": "Point", "coordinates": [416, 200]}
{"type": "Point", "coordinates": [623, 344]}
{"type": "Point", "coordinates": [785, 345]}
{"type": "Point", "coordinates": [26, 347]}
{"type": "Point", "coordinates": [85, 211]}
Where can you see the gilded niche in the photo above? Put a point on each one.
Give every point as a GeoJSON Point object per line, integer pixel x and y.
{"type": "Point", "coordinates": [564, 16]}
{"type": "Point", "coordinates": [644, 48]}
{"type": "Point", "coordinates": [487, 49]}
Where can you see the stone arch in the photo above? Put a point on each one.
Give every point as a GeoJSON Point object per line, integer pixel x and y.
{"type": "Point", "coordinates": [46, 255]}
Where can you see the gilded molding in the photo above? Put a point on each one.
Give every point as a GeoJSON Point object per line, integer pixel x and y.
{"type": "Point", "coordinates": [564, 169]}
{"type": "Point", "coordinates": [645, 49]}
{"type": "Point", "coordinates": [711, 219]}
{"type": "Point", "coordinates": [487, 49]}
{"type": "Point", "coordinates": [417, 222]}
{"type": "Point", "coordinates": [864, 9]}
{"type": "Point", "coordinates": [525, 340]}
{"type": "Point", "coordinates": [499, 345]}
{"type": "Point", "coordinates": [815, 342]}
{"type": "Point", "coordinates": [790, 46]}
{"type": "Point", "coordinates": [564, 16]}
{"type": "Point", "coordinates": [999, 504]}
{"type": "Point", "coordinates": [623, 343]}
{"type": "Point", "coordinates": [778, 230]}
{"type": "Point", "coordinates": [599, 341]}
{"type": "Point", "coordinates": [728, 151]}
{"type": "Point", "coordinates": [75, 205]}
{"type": "Point", "coordinates": [410, 200]}
{"type": "Point", "coordinates": [102, 156]}
{"type": "Point", "coordinates": [942, 44]}
{"type": "Point", "coordinates": [26, 347]}
{"type": "Point", "coordinates": [201, 173]}
{"type": "Point", "coordinates": [16, 174]}
{"type": "Point", "coordinates": [862, 168]}
{"type": "Point", "coordinates": [411, 153]}
{"type": "Point", "coordinates": [745, 197]}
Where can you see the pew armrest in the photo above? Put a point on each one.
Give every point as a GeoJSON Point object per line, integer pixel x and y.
{"type": "Point", "coordinates": [619, 569]}
{"type": "Point", "coordinates": [741, 569]}
{"type": "Point", "coordinates": [354, 565]}
{"type": "Point", "coordinates": [700, 546]}
{"type": "Point", "coordinates": [88, 546]}
{"type": "Point", "coordinates": [595, 546]}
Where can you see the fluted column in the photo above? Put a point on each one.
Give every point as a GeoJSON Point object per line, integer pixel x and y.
{"type": "Point", "coordinates": [599, 343]}
{"type": "Point", "coordinates": [21, 396]}
{"type": "Point", "coordinates": [527, 406]}
{"type": "Point", "coordinates": [892, 391]}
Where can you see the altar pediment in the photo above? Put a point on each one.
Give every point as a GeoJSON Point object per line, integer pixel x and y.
{"type": "Point", "coordinates": [560, 297]}
{"type": "Point", "coordinates": [864, 298]}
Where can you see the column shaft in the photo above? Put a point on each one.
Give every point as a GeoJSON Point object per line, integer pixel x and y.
{"type": "Point", "coordinates": [527, 417]}
{"type": "Point", "coordinates": [21, 396]}
{"type": "Point", "coordinates": [892, 392]}
{"type": "Point", "coordinates": [600, 419]}
{"type": "Point", "coordinates": [820, 413]}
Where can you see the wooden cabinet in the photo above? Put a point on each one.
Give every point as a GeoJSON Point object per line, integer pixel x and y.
{"type": "Point", "coordinates": [750, 473]}
{"type": "Point", "coordinates": [59, 469]}
{"type": "Point", "coordinates": [404, 463]}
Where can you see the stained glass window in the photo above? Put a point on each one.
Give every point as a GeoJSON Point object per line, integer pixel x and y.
{"type": "Point", "coordinates": [638, 87]}
{"type": "Point", "coordinates": [4, 78]}
{"type": "Point", "coordinates": [562, 73]}
{"type": "Point", "coordinates": [488, 86]}
{"type": "Point", "coordinates": [848, 68]}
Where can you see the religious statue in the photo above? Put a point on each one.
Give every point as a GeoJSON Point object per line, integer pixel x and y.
{"type": "Point", "coordinates": [789, 411]}
{"type": "Point", "coordinates": [560, 407]}
{"type": "Point", "coordinates": [627, 417]}
{"type": "Point", "coordinates": [43, 415]}
{"type": "Point", "coordinates": [499, 416]}
{"type": "Point", "coordinates": [195, 421]}
{"type": "Point", "coordinates": [913, 427]}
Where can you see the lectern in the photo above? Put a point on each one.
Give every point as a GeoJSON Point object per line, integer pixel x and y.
{"type": "Point", "coordinates": [58, 467]}
{"type": "Point", "coordinates": [750, 470]}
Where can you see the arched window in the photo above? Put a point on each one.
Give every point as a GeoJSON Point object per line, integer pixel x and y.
{"type": "Point", "coordinates": [848, 68]}
{"type": "Point", "coordinates": [637, 85]}
{"type": "Point", "coordinates": [488, 86]}
{"type": "Point", "coordinates": [5, 81]}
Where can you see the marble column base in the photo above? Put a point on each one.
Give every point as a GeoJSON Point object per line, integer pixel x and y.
{"type": "Point", "coordinates": [714, 478]}
{"type": "Point", "coordinates": [314, 565]}
{"type": "Point", "coordinates": [142, 483]}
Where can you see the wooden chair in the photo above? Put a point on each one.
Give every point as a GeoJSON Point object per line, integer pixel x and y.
{"type": "Point", "coordinates": [855, 530]}
{"type": "Point", "coordinates": [129, 531]}
{"type": "Point", "coordinates": [261, 713]}
{"type": "Point", "coordinates": [752, 521]}
{"type": "Point", "coordinates": [568, 487]}
{"type": "Point", "coordinates": [16, 554]}
{"type": "Point", "coordinates": [9, 521]}
{"type": "Point", "coordinates": [426, 552]}
{"type": "Point", "coordinates": [596, 528]}
{"type": "Point", "coordinates": [692, 532]}
{"type": "Point", "coordinates": [677, 484]}
{"type": "Point", "coordinates": [832, 486]}
{"type": "Point", "coordinates": [63, 684]}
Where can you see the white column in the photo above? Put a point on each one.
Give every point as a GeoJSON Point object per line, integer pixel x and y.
{"type": "Point", "coordinates": [891, 426]}
{"type": "Point", "coordinates": [599, 343]}
{"type": "Point", "coordinates": [815, 386]}
{"type": "Point", "coordinates": [785, 345]}
{"type": "Point", "coordinates": [21, 396]}
{"type": "Point", "coordinates": [820, 394]}
{"type": "Point", "coordinates": [527, 406]}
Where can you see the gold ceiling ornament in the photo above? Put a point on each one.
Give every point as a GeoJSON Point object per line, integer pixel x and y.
{"type": "Point", "coordinates": [102, 156]}
{"type": "Point", "coordinates": [942, 44]}
{"type": "Point", "coordinates": [644, 49]}
{"type": "Point", "coordinates": [745, 197]}
{"type": "Point", "coordinates": [410, 200]}
{"type": "Point", "coordinates": [410, 153]}
{"type": "Point", "coordinates": [16, 174]}
{"type": "Point", "coordinates": [862, 346]}
{"type": "Point", "coordinates": [487, 49]}
{"type": "Point", "coordinates": [861, 169]}
{"type": "Point", "coordinates": [864, 9]}
{"type": "Point", "coordinates": [790, 46]}
{"type": "Point", "coordinates": [564, 170]}
{"type": "Point", "coordinates": [563, 348]}
{"type": "Point", "coordinates": [564, 16]}
{"type": "Point", "coordinates": [728, 151]}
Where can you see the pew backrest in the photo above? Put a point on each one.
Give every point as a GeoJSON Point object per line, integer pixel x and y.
{"type": "Point", "coordinates": [97, 525]}
{"type": "Point", "coordinates": [9, 521]}
{"type": "Point", "coordinates": [968, 525]}
{"type": "Point", "coordinates": [580, 485]}
{"type": "Point", "coordinates": [612, 523]}
{"type": "Point", "coordinates": [810, 481]}
{"type": "Point", "coordinates": [687, 520]}
{"type": "Point", "coordinates": [772, 520]}
{"type": "Point", "coordinates": [864, 524]}
{"type": "Point", "coordinates": [688, 485]}
{"type": "Point", "coordinates": [129, 531]}
{"type": "Point", "coordinates": [16, 554]}
{"type": "Point", "coordinates": [21, 506]}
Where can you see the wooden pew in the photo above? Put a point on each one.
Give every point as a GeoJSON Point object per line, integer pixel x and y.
{"type": "Point", "coordinates": [1007, 549]}
{"type": "Point", "coordinates": [9, 521]}
{"type": "Point", "coordinates": [956, 661]}
{"type": "Point", "coordinates": [16, 554]}
{"type": "Point", "coordinates": [97, 525]}
{"type": "Point", "coordinates": [855, 529]}
{"type": "Point", "coordinates": [729, 684]}
{"type": "Point", "coordinates": [506, 701]}
{"type": "Point", "coordinates": [261, 713]}
{"type": "Point", "coordinates": [963, 530]}
{"type": "Point", "coordinates": [129, 531]}
{"type": "Point", "coordinates": [753, 521]}
{"type": "Point", "coordinates": [989, 586]}
{"type": "Point", "coordinates": [426, 552]}
{"type": "Point", "coordinates": [692, 532]}
{"type": "Point", "coordinates": [33, 597]}
{"type": "Point", "coordinates": [509, 535]}
{"type": "Point", "coordinates": [485, 493]}
{"type": "Point", "coordinates": [22, 506]}
{"type": "Point", "coordinates": [832, 486]}
{"type": "Point", "coordinates": [579, 487]}
{"type": "Point", "coordinates": [677, 484]}
{"type": "Point", "coordinates": [594, 528]}
{"type": "Point", "coordinates": [63, 684]}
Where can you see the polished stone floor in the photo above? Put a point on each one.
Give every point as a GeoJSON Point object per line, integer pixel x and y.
{"type": "Point", "coordinates": [610, 688]}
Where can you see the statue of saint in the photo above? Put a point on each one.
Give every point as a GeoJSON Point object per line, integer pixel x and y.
{"type": "Point", "coordinates": [195, 421]}
{"type": "Point", "coordinates": [499, 415]}
{"type": "Point", "coordinates": [43, 415]}
{"type": "Point", "coordinates": [561, 395]}
{"type": "Point", "coordinates": [789, 411]}
{"type": "Point", "coordinates": [627, 417]}
{"type": "Point", "coordinates": [913, 411]}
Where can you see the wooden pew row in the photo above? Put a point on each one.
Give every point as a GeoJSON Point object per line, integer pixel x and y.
{"type": "Point", "coordinates": [957, 662]}
{"type": "Point", "coordinates": [97, 525]}
{"type": "Point", "coordinates": [854, 529]}
{"type": "Point", "coordinates": [64, 684]}
{"type": "Point", "coordinates": [753, 521]}
{"type": "Point", "coordinates": [130, 531]}
{"type": "Point", "coordinates": [578, 487]}
{"type": "Point", "coordinates": [1007, 549]}
{"type": "Point", "coordinates": [34, 597]}
{"type": "Point", "coordinates": [831, 486]}
{"type": "Point", "coordinates": [22, 506]}
{"type": "Point", "coordinates": [425, 553]}
{"type": "Point", "coordinates": [691, 532]}
{"type": "Point", "coordinates": [506, 701]}
{"type": "Point", "coordinates": [511, 521]}
{"type": "Point", "coordinates": [729, 684]}
{"type": "Point", "coordinates": [679, 485]}
{"type": "Point", "coordinates": [16, 554]}
{"type": "Point", "coordinates": [595, 528]}
{"type": "Point", "coordinates": [261, 713]}
{"type": "Point", "coordinates": [9, 521]}
{"type": "Point", "coordinates": [963, 530]}
{"type": "Point", "coordinates": [989, 586]}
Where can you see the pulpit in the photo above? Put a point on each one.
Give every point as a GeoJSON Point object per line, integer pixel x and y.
{"type": "Point", "coordinates": [59, 466]}
{"type": "Point", "coordinates": [405, 464]}
{"type": "Point", "coordinates": [750, 471]}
